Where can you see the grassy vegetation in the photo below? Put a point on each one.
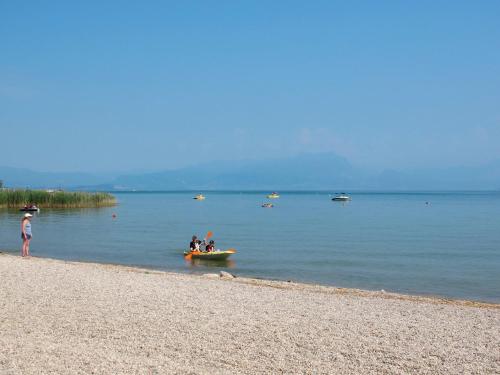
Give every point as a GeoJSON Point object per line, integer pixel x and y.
{"type": "Point", "coordinates": [58, 199]}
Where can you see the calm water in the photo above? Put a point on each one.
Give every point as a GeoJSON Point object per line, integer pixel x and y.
{"type": "Point", "coordinates": [392, 241]}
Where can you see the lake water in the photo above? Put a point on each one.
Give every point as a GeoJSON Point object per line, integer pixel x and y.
{"type": "Point", "coordinates": [392, 241]}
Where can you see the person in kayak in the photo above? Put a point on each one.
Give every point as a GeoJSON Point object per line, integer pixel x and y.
{"type": "Point", "coordinates": [210, 246]}
{"type": "Point", "coordinates": [194, 245]}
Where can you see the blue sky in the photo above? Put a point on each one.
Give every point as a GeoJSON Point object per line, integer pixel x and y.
{"type": "Point", "coordinates": [108, 86]}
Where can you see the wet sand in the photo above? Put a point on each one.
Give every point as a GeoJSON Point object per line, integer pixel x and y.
{"type": "Point", "coordinates": [83, 318]}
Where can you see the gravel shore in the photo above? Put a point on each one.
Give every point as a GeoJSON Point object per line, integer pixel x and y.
{"type": "Point", "coordinates": [61, 317]}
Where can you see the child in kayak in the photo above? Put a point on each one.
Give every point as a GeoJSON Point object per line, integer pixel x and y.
{"type": "Point", "coordinates": [210, 246]}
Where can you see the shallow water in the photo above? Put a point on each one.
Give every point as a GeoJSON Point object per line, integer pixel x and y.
{"type": "Point", "coordinates": [393, 241]}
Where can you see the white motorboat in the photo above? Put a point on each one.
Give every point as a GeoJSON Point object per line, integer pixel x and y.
{"type": "Point", "coordinates": [342, 197]}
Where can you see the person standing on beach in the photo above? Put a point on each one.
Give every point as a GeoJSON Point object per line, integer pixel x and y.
{"type": "Point", "coordinates": [26, 234]}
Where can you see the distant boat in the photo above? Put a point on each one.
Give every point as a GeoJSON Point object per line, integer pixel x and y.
{"type": "Point", "coordinates": [273, 195]}
{"type": "Point", "coordinates": [268, 205]}
{"type": "Point", "coordinates": [30, 208]}
{"type": "Point", "coordinates": [342, 197]}
{"type": "Point", "coordinates": [199, 197]}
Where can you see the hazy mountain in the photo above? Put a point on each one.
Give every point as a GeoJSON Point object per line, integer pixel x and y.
{"type": "Point", "coordinates": [484, 177]}
{"type": "Point", "coordinates": [25, 178]}
{"type": "Point", "coordinates": [325, 171]}
{"type": "Point", "coordinates": [309, 171]}
{"type": "Point", "coordinates": [313, 171]}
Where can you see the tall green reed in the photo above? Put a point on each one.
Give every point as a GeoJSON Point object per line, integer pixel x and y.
{"type": "Point", "coordinates": [56, 199]}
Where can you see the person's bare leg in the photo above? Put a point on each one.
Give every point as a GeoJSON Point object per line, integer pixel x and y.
{"type": "Point", "coordinates": [27, 248]}
{"type": "Point", "coordinates": [23, 251]}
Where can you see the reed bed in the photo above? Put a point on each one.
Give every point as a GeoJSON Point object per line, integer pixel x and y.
{"type": "Point", "coordinates": [16, 198]}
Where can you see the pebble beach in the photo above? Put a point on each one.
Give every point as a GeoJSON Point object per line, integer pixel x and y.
{"type": "Point", "coordinates": [59, 317]}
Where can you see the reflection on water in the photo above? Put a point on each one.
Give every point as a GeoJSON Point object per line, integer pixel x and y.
{"type": "Point", "coordinates": [221, 263]}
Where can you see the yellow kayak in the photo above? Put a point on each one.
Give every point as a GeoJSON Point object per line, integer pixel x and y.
{"type": "Point", "coordinates": [212, 255]}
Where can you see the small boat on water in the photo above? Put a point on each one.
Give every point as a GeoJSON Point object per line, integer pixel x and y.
{"type": "Point", "coordinates": [268, 205]}
{"type": "Point", "coordinates": [212, 255]}
{"type": "Point", "coordinates": [199, 197]}
{"type": "Point", "coordinates": [30, 208]}
{"type": "Point", "coordinates": [273, 195]}
{"type": "Point", "coordinates": [342, 197]}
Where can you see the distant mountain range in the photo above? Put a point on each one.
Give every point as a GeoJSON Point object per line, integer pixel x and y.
{"type": "Point", "coordinates": [300, 172]}
{"type": "Point", "coordinates": [325, 171]}
{"type": "Point", "coordinates": [26, 178]}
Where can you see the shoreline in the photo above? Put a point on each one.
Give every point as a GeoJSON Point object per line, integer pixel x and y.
{"type": "Point", "coordinates": [282, 284]}
{"type": "Point", "coordinates": [78, 317]}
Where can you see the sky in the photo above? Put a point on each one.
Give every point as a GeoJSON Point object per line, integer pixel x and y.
{"type": "Point", "coordinates": [140, 86]}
